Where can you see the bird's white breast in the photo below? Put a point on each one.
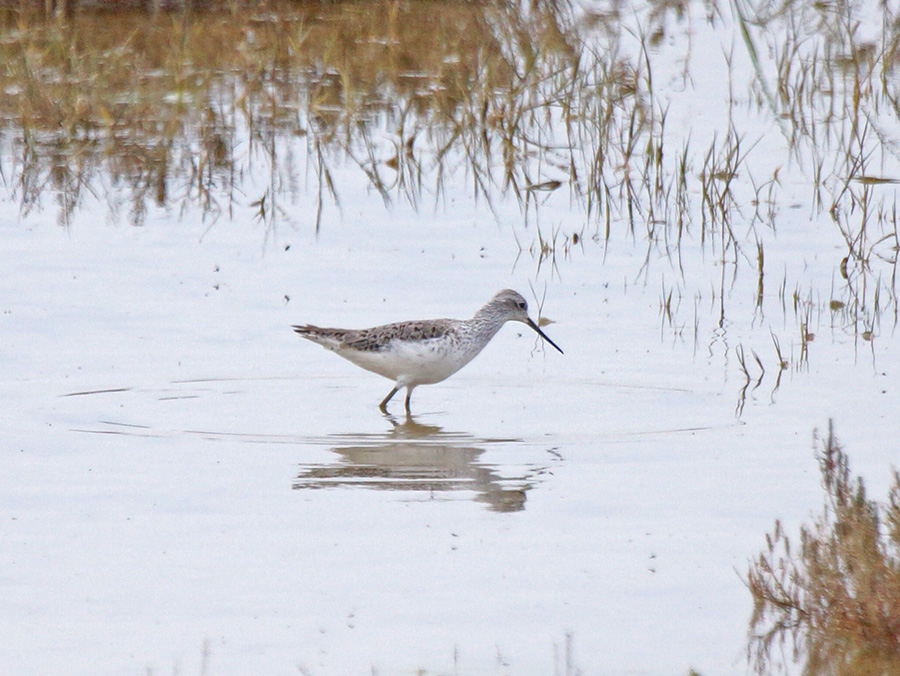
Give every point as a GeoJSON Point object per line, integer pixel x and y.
{"type": "Point", "coordinates": [413, 362]}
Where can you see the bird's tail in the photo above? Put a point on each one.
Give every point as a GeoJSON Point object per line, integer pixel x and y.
{"type": "Point", "coordinates": [327, 337]}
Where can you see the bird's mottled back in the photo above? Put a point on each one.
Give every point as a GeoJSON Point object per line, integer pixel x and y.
{"type": "Point", "coordinates": [377, 338]}
{"type": "Point", "coordinates": [380, 337]}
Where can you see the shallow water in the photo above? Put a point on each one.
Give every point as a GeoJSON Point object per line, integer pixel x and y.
{"type": "Point", "coordinates": [190, 488]}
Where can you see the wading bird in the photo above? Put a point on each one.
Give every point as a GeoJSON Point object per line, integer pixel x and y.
{"type": "Point", "coordinates": [427, 351]}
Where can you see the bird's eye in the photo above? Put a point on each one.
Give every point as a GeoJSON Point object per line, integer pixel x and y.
{"type": "Point", "coordinates": [522, 304]}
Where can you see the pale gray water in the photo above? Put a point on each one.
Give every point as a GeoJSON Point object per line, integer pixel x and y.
{"type": "Point", "coordinates": [181, 470]}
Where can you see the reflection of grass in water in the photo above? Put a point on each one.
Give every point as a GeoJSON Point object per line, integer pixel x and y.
{"type": "Point", "coordinates": [155, 100]}
{"type": "Point", "coordinates": [835, 598]}
{"type": "Point", "coordinates": [564, 663]}
{"type": "Point", "coordinates": [834, 83]}
{"type": "Point", "coordinates": [139, 109]}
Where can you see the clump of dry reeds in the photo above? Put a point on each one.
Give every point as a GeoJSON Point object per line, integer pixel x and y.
{"type": "Point", "coordinates": [834, 600]}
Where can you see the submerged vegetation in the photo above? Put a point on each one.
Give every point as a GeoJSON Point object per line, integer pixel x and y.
{"type": "Point", "coordinates": [834, 600]}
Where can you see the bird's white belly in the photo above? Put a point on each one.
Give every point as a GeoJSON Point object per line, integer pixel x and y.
{"type": "Point", "coordinates": [413, 362]}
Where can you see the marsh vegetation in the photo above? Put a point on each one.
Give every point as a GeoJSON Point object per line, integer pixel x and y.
{"type": "Point", "coordinates": [551, 107]}
{"type": "Point", "coordinates": [829, 599]}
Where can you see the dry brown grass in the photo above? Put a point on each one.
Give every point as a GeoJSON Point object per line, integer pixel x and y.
{"type": "Point", "coordinates": [834, 600]}
{"type": "Point", "coordinates": [159, 100]}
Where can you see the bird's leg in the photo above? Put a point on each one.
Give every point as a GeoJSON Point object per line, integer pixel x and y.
{"type": "Point", "coordinates": [408, 395]}
{"type": "Point", "coordinates": [384, 403]}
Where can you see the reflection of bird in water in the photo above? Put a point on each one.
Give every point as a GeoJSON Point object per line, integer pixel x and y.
{"type": "Point", "coordinates": [415, 457]}
{"type": "Point", "coordinates": [423, 352]}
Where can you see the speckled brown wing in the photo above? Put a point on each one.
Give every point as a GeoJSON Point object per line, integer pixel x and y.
{"type": "Point", "coordinates": [380, 337]}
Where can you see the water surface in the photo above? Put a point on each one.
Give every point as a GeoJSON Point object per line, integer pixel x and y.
{"type": "Point", "coordinates": [707, 216]}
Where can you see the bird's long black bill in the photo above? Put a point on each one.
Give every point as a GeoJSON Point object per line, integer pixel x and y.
{"type": "Point", "coordinates": [544, 335]}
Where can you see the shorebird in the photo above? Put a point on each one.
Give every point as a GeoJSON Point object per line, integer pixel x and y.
{"type": "Point", "coordinates": [423, 352]}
